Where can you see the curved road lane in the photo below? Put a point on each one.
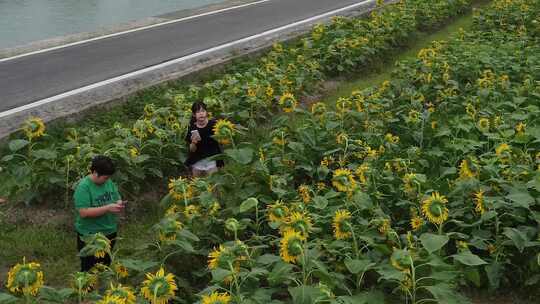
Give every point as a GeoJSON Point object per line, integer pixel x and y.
{"type": "Point", "coordinates": [30, 78]}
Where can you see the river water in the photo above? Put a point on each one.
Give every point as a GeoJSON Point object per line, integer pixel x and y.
{"type": "Point", "coordinates": [24, 21]}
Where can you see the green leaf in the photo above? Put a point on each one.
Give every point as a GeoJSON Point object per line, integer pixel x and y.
{"type": "Point", "coordinates": [188, 235]}
{"type": "Point", "coordinates": [166, 200]}
{"type": "Point", "coordinates": [369, 297]}
{"type": "Point", "coordinates": [521, 198]}
{"type": "Point", "coordinates": [17, 144]}
{"type": "Point", "coordinates": [433, 242]}
{"type": "Point", "coordinates": [267, 259]}
{"type": "Point", "coordinates": [183, 244]}
{"type": "Point", "coordinates": [7, 298]}
{"type": "Point", "coordinates": [444, 294]}
{"type": "Point", "coordinates": [356, 266]}
{"type": "Point", "coordinates": [242, 156]}
{"type": "Point", "coordinates": [362, 200]}
{"type": "Point", "coordinates": [138, 265]}
{"type": "Point", "coordinates": [248, 204]}
{"type": "Point", "coordinates": [52, 295]}
{"type": "Point", "coordinates": [44, 154]}
{"type": "Point", "coordinates": [389, 273]}
{"type": "Point", "coordinates": [156, 172]}
{"type": "Point", "coordinates": [280, 273]}
{"type": "Point", "coordinates": [494, 273]}
{"type": "Point", "coordinates": [7, 158]}
{"type": "Point", "coordinates": [304, 294]}
{"type": "Point", "coordinates": [469, 259]}
{"type": "Point", "coordinates": [473, 275]}
{"type": "Point", "coordinates": [320, 202]}
{"type": "Point", "coordinates": [219, 274]}
{"type": "Point", "coordinates": [519, 238]}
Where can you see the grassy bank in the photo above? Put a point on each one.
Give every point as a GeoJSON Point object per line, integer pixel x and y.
{"type": "Point", "coordinates": [382, 70]}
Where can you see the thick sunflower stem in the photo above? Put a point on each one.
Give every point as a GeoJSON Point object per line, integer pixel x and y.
{"type": "Point", "coordinates": [413, 281]}
{"type": "Point", "coordinates": [235, 282]}
{"type": "Point", "coordinates": [355, 241]}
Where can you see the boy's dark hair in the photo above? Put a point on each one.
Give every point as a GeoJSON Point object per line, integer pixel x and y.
{"type": "Point", "coordinates": [102, 165]}
{"type": "Point", "coordinates": [196, 107]}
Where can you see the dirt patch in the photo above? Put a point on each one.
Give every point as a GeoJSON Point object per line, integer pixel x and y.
{"type": "Point", "coordinates": [327, 86]}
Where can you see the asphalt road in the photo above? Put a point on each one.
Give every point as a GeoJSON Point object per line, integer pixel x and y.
{"type": "Point", "coordinates": [31, 78]}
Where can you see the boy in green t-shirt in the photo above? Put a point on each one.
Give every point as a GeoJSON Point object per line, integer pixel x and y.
{"type": "Point", "coordinates": [97, 203]}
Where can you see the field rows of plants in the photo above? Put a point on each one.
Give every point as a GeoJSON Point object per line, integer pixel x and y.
{"type": "Point", "coordinates": [36, 164]}
{"type": "Point", "coordinates": [403, 192]}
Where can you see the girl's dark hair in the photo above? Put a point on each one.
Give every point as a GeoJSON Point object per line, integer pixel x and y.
{"type": "Point", "coordinates": [196, 107]}
{"type": "Point", "coordinates": [102, 165]}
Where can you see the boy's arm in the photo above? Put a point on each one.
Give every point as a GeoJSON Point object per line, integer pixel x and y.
{"type": "Point", "coordinates": [99, 211]}
{"type": "Point", "coordinates": [82, 204]}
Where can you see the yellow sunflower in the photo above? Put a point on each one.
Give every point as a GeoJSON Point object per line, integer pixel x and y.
{"type": "Point", "coordinates": [124, 293]}
{"type": "Point", "coordinates": [277, 212]}
{"type": "Point", "coordinates": [413, 116]}
{"type": "Point", "coordinates": [214, 208]}
{"type": "Point", "coordinates": [191, 211]}
{"type": "Point", "coordinates": [97, 245]}
{"type": "Point", "coordinates": [288, 102]}
{"type": "Point", "coordinates": [216, 298]}
{"type": "Point", "coordinates": [479, 201]}
{"type": "Point", "coordinates": [159, 288]}
{"type": "Point", "coordinates": [416, 222]}
{"type": "Point", "coordinates": [305, 193]}
{"type": "Point", "coordinates": [342, 138]}
{"type": "Point", "coordinates": [133, 152]}
{"type": "Point", "coordinates": [520, 128]}
{"type": "Point", "coordinates": [142, 127]}
{"type": "Point", "coordinates": [471, 110]}
{"type": "Point", "coordinates": [217, 258]}
{"type": "Point", "coordinates": [299, 222]}
{"type": "Point", "coordinates": [318, 109]}
{"type": "Point", "coordinates": [343, 180]}
{"type": "Point", "coordinates": [503, 152]}
{"type": "Point", "coordinates": [224, 131]}
{"type": "Point", "coordinates": [111, 300]}
{"type": "Point", "coordinates": [394, 139]}
{"type": "Point", "coordinates": [341, 225]}
{"type": "Point", "coordinates": [384, 226]}
{"type": "Point", "coordinates": [465, 171]}
{"type": "Point", "coordinates": [25, 278]}
{"type": "Point", "coordinates": [291, 246]}
{"type": "Point", "coordinates": [84, 282]}
{"type": "Point", "coordinates": [483, 124]}
{"type": "Point", "coordinates": [172, 210]}
{"type": "Point", "coordinates": [269, 91]}
{"type": "Point", "coordinates": [180, 188]}
{"type": "Point", "coordinates": [434, 208]}
{"type": "Point", "coordinates": [33, 128]}
{"type": "Point", "coordinates": [361, 173]}
{"type": "Point", "coordinates": [409, 183]}
{"type": "Point", "coordinates": [168, 228]}
{"type": "Point", "coordinates": [120, 270]}
{"type": "Point", "coordinates": [401, 260]}
{"type": "Point", "coordinates": [343, 104]}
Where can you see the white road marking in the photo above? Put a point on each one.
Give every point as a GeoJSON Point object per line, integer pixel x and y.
{"type": "Point", "coordinates": [175, 61]}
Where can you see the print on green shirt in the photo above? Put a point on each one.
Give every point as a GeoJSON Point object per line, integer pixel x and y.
{"type": "Point", "coordinates": [89, 195]}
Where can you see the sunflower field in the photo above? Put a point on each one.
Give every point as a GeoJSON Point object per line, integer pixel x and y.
{"type": "Point", "coordinates": [405, 192]}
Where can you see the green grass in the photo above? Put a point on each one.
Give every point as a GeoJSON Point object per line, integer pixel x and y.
{"type": "Point", "coordinates": [382, 70]}
{"type": "Point", "coordinates": [54, 244]}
